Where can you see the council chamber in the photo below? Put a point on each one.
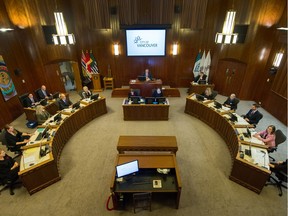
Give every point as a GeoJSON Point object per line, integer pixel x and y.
{"type": "Point", "coordinates": [180, 105]}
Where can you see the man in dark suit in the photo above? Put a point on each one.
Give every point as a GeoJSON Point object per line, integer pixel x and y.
{"type": "Point", "coordinates": [231, 102]}
{"type": "Point", "coordinates": [253, 116]}
{"type": "Point", "coordinates": [43, 93]}
{"type": "Point", "coordinates": [148, 75]}
{"type": "Point", "coordinates": [30, 101]}
{"type": "Point", "coordinates": [201, 78]}
{"type": "Point", "coordinates": [64, 102]}
{"type": "Point", "coordinates": [157, 93]}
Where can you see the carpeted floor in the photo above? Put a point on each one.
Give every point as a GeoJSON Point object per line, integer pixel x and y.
{"type": "Point", "coordinates": [87, 162]}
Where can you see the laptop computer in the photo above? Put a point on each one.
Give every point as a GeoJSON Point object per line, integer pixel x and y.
{"type": "Point", "coordinates": [142, 78]}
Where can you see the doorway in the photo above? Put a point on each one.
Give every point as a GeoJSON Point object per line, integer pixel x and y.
{"type": "Point", "coordinates": [67, 76]}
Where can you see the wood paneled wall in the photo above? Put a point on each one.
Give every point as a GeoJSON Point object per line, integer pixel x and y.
{"type": "Point", "coordinates": [194, 23]}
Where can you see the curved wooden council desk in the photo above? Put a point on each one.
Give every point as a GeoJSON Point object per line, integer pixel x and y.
{"type": "Point", "coordinates": [243, 172]}
{"type": "Point", "coordinates": [46, 171]}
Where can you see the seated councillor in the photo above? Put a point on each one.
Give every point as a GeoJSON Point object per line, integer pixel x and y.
{"type": "Point", "coordinates": [157, 93]}
{"type": "Point", "coordinates": [43, 93]}
{"type": "Point", "coordinates": [15, 138]}
{"type": "Point", "coordinates": [208, 94]}
{"type": "Point", "coordinates": [9, 169]}
{"type": "Point", "coordinates": [41, 114]}
{"type": "Point", "coordinates": [200, 77]}
{"type": "Point", "coordinates": [64, 102]}
{"type": "Point", "coordinates": [30, 101]}
{"type": "Point", "coordinates": [267, 136]}
{"type": "Point", "coordinates": [148, 75]}
{"type": "Point", "coordinates": [132, 93]}
{"type": "Point", "coordinates": [231, 102]}
{"type": "Point", "coordinates": [86, 92]}
{"type": "Point", "coordinates": [253, 116]}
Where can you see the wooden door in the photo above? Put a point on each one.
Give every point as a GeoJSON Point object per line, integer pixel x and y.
{"type": "Point", "coordinates": [77, 75]}
{"type": "Point", "coordinates": [229, 76]}
{"type": "Point", "coordinates": [53, 75]}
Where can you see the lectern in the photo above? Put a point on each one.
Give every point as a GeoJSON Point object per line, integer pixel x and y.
{"type": "Point", "coordinates": [96, 81]}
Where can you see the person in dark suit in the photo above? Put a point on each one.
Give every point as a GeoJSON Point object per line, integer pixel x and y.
{"type": "Point", "coordinates": [30, 101]}
{"type": "Point", "coordinates": [86, 92]}
{"type": "Point", "coordinates": [64, 102]}
{"type": "Point", "coordinates": [208, 94]}
{"type": "Point", "coordinates": [231, 102]}
{"type": "Point", "coordinates": [132, 93]}
{"type": "Point", "coordinates": [9, 169]}
{"type": "Point", "coordinates": [148, 75]}
{"type": "Point", "coordinates": [253, 116]}
{"type": "Point", "coordinates": [200, 78]}
{"type": "Point", "coordinates": [157, 93]}
{"type": "Point", "coordinates": [43, 93]}
{"type": "Point", "coordinates": [15, 138]}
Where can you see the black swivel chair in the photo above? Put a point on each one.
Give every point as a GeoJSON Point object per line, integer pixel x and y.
{"type": "Point", "coordinates": [23, 99]}
{"type": "Point", "coordinates": [214, 94]}
{"type": "Point", "coordinates": [280, 138]}
{"type": "Point", "coordinates": [278, 178]}
{"type": "Point", "coordinates": [37, 94]}
{"type": "Point", "coordinates": [142, 200]}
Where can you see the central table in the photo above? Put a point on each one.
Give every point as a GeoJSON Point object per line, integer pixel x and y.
{"type": "Point", "coordinates": [145, 87]}
{"type": "Point", "coordinates": [147, 143]}
{"type": "Point", "coordinates": [148, 165]}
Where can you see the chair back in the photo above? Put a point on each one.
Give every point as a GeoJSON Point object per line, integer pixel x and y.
{"type": "Point", "coordinates": [2, 137]}
{"type": "Point", "coordinates": [37, 94]}
{"type": "Point", "coordinates": [22, 99]}
{"type": "Point", "coordinates": [81, 94]}
{"type": "Point", "coordinates": [137, 91]}
{"type": "Point", "coordinates": [214, 94]}
{"type": "Point", "coordinates": [280, 137]}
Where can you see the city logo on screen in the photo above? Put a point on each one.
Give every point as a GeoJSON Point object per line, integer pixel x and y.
{"type": "Point", "coordinates": [143, 43]}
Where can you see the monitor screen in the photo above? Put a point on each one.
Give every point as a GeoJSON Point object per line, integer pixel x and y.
{"type": "Point", "coordinates": [76, 105]}
{"type": "Point", "coordinates": [142, 78]}
{"type": "Point", "coordinates": [217, 105]}
{"type": "Point", "coordinates": [149, 100]}
{"type": "Point", "coordinates": [43, 102]}
{"type": "Point", "coordinates": [248, 132]}
{"type": "Point", "coordinates": [200, 97]}
{"type": "Point", "coordinates": [56, 95]}
{"type": "Point", "coordinates": [161, 100]}
{"type": "Point", "coordinates": [57, 117]}
{"type": "Point", "coordinates": [146, 42]}
{"type": "Point", "coordinates": [44, 132]}
{"type": "Point", "coordinates": [127, 168]}
{"type": "Point", "coordinates": [94, 97]}
{"type": "Point", "coordinates": [135, 99]}
{"type": "Point", "coordinates": [202, 82]}
{"type": "Point", "coordinates": [233, 118]}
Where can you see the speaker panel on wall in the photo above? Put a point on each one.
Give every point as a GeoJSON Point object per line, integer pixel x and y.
{"type": "Point", "coordinates": [177, 9]}
{"type": "Point", "coordinates": [242, 31]}
{"type": "Point", "coordinates": [48, 31]}
{"type": "Point", "coordinates": [17, 72]}
{"type": "Point", "coordinates": [113, 10]}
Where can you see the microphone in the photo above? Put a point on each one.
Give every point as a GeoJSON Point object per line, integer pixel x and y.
{"type": "Point", "coordinates": [264, 154]}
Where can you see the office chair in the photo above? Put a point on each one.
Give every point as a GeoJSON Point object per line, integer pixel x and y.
{"type": "Point", "coordinates": [142, 200]}
{"type": "Point", "coordinates": [214, 94]}
{"type": "Point", "coordinates": [81, 94]}
{"type": "Point", "coordinates": [280, 138]}
{"type": "Point", "coordinates": [278, 180]}
{"type": "Point", "coordinates": [22, 99]}
{"type": "Point", "coordinates": [236, 102]}
{"type": "Point", "coordinates": [37, 94]}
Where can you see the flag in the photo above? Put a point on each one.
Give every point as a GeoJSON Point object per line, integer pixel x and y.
{"type": "Point", "coordinates": [93, 64]}
{"type": "Point", "coordinates": [202, 62]}
{"type": "Point", "coordinates": [85, 73]}
{"type": "Point", "coordinates": [196, 68]}
{"type": "Point", "coordinates": [88, 61]}
{"type": "Point", "coordinates": [207, 64]}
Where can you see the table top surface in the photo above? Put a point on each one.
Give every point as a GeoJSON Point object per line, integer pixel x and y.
{"type": "Point", "coordinates": [159, 141]}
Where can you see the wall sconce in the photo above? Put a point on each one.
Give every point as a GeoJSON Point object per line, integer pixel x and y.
{"type": "Point", "coordinates": [5, 29]}
{"type": "Point", "coordinates": [175, 49]}
{"type": "Point", "coordinates": [277, 59]}
{"type": "Point", "coordinates": [116, 49]}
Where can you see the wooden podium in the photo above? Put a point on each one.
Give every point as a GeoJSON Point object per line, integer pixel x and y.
{"type": "Point", "coordinates": [96, 82]}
